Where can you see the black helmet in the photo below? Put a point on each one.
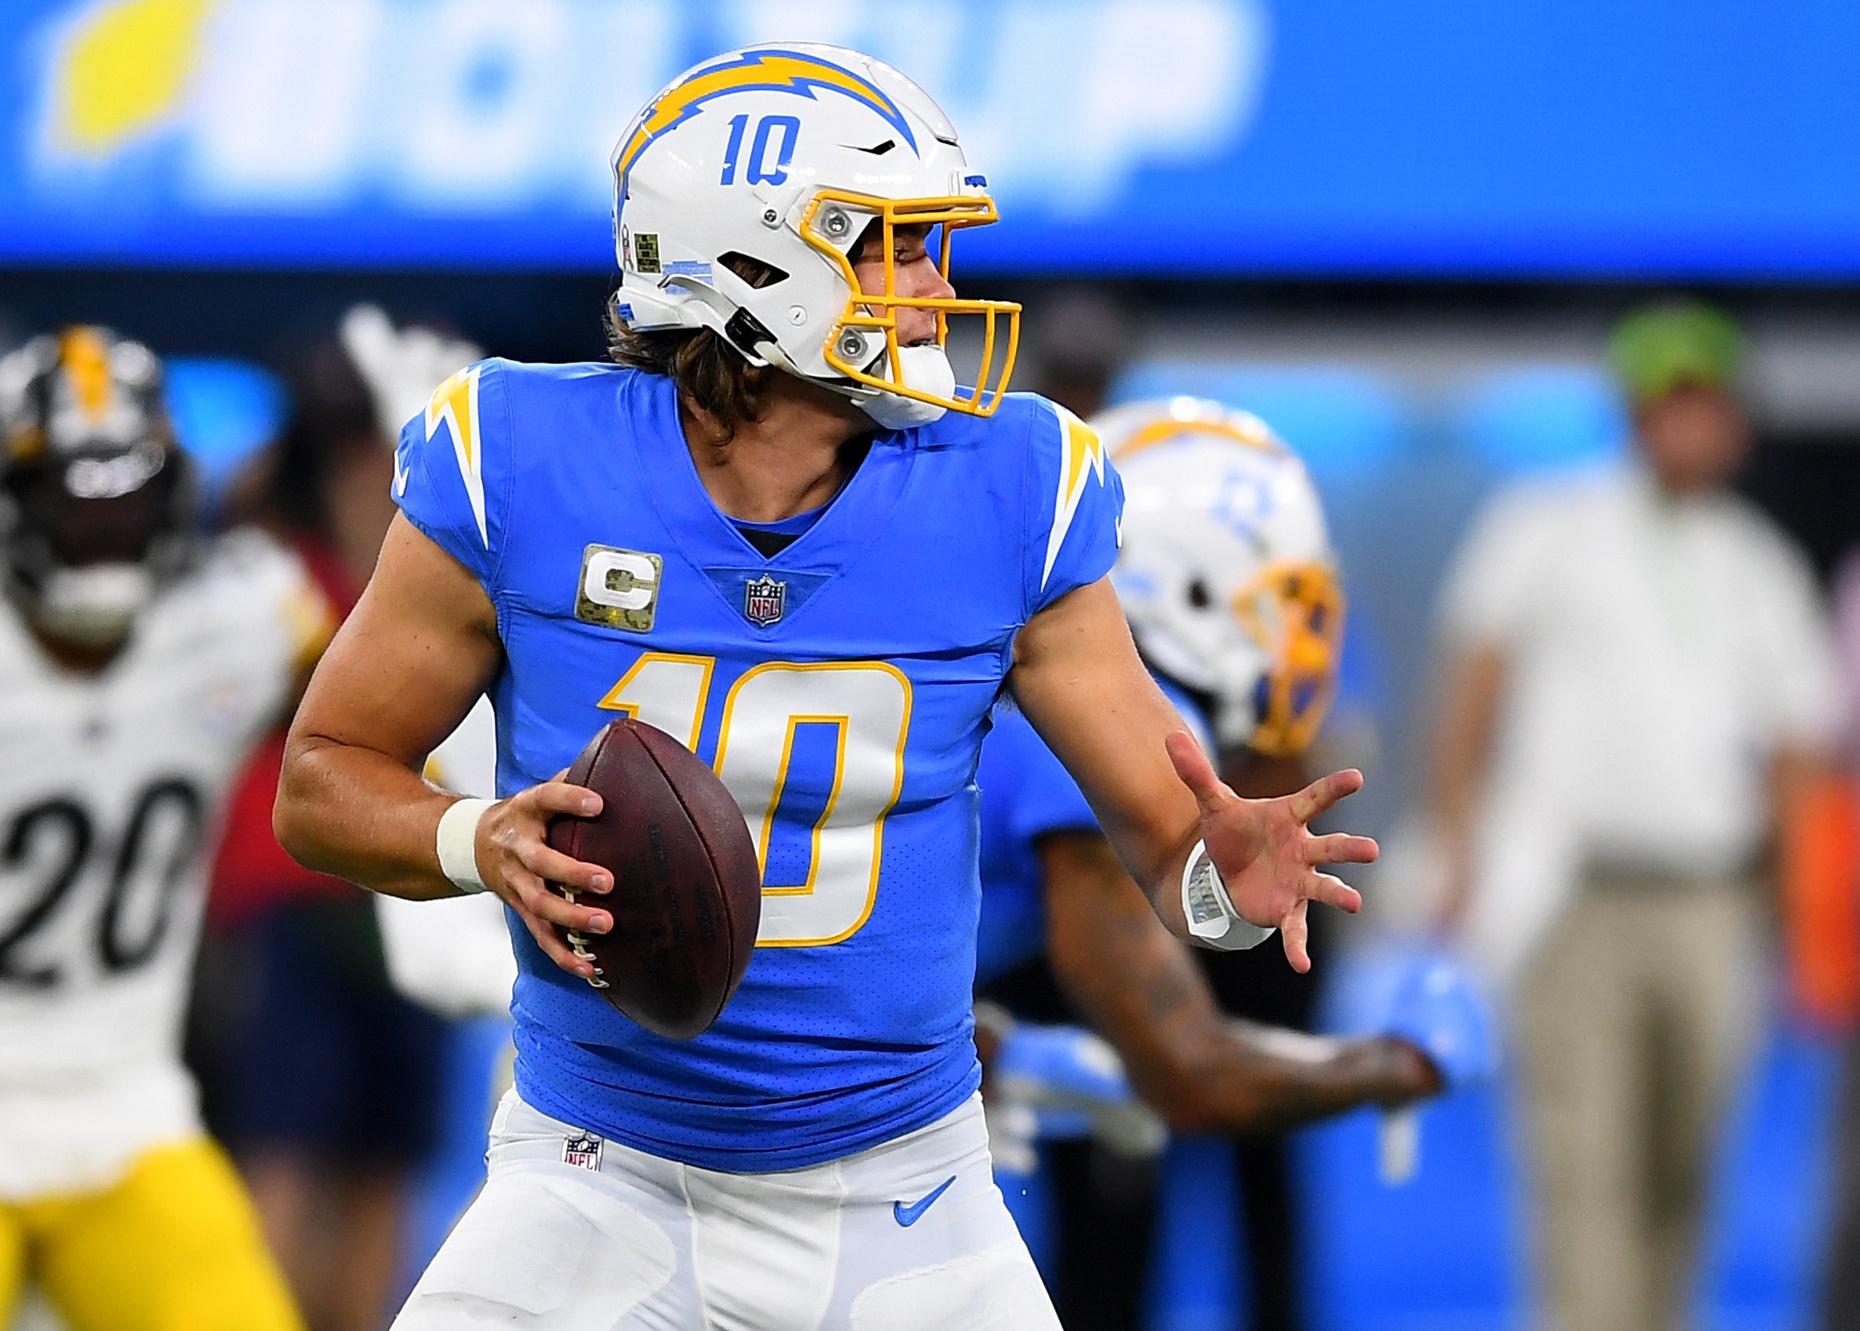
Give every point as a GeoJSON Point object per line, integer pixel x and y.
{"type": "Point", "coordinates": [96, 498]}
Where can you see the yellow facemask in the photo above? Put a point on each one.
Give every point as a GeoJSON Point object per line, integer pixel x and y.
{"type": "Point", "coordinates": [826, 225]}
{"type": "Point", "coordinates": [1294, 610]}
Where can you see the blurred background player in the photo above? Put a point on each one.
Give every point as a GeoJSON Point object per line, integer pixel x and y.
{"type": "Point", "coordinates": [325, 1080]}
{"type": "Point", "coordinates": [138, 665]}
{"type": "Point", "coordinates": [1080, 341]}
{"type": "Point", "coordinates": [1229, 584]}
{"type": "Point", "coordinates": [1638, 679]}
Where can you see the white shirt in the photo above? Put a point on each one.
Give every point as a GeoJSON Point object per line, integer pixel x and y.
{"type": "Point", "coordinates": [1659, 651]}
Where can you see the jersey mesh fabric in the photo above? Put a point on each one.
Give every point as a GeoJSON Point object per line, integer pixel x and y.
{"type": "Point", "coordinates": [908, 589]}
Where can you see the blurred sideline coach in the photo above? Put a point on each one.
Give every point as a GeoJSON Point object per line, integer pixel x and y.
{"type": "Point", "coordinates": [1638, 678]}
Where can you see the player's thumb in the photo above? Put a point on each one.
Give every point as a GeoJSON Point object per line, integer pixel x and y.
{"type": "Point", "coordinates": [1193, 768]}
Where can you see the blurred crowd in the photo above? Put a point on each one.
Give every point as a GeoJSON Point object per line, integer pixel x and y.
{"type": "Point", "coordinates": [1635, 818]}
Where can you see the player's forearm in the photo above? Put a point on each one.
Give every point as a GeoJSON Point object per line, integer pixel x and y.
{"type": "Point", "coordinates": [1080, 682]}
{"type": "Point", "coordinates": [404, 669]}
{"type": "Point", "coordinates": [1153, 824]}
{"type": "Point", "coordinates": [1204, 1072]}
{"type": "Point", "coordinates": [1155, 863]}
{"type": "Point", "coordinates": [1142, 990]}
{"type": "Point", "coordinates": [1257, 1079]}
{"type": "Point", "coordinates": [1137, 985]}
{"type": "Point", "coordinates": [361, 815]}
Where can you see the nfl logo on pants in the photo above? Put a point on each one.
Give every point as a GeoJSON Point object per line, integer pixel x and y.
{"type": "Point", "coordinates": [764, 599]}
{"type": "Point", "coordinates": [582, 1150]}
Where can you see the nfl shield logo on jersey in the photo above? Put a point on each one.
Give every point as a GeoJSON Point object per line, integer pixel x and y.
{"type": "Point", "coordinates": [764, 599]}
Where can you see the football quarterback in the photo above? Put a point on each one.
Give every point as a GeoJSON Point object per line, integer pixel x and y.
{"type": "Point", "coordinates": [779, 531]}
{"type": "Point", "coordinates": [138, 664]}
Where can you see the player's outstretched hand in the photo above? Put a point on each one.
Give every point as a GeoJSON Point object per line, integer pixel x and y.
{"type": "Point", "coordinates": [517, 864]}
{"type": "Point", "coordinates": [1266, 853]}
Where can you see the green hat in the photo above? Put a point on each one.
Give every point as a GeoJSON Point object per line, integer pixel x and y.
{"type": "Point", "coordinates": [1659, 347]}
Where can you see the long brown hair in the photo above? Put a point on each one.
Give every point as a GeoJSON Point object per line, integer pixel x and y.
{"type": "Point", "coordinates": [706, 368]}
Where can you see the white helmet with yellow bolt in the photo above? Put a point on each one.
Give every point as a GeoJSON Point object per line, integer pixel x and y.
{"type": "Point", "coordinates": [741, 194]}
{"type": "Point", "coordinates": [1226, 573]}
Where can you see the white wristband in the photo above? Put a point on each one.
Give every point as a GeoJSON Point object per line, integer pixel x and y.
{"type": "Point", "coordinates": [458, 843]}
{"type": "Point", "coordinates": [1211, 916]}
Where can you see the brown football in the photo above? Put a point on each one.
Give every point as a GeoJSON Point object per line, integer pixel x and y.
{"type": "Point", "coordinates": [687, 895]}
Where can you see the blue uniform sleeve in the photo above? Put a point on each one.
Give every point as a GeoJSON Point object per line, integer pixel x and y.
{"type": "Point", "coordinates": [1025, 795]}
{"type": "Point", "coordinates": [1045, 798]}
{"type": "Point", "coordinates": [452, 468]}
{"type": "Point", "coordinates": [1075, 503]}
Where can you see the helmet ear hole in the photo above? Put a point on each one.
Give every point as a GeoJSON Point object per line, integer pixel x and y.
{"type": "Point", "coordinates": [1198, 595]}
{"type": "Point", "coordinates": [756, 273]}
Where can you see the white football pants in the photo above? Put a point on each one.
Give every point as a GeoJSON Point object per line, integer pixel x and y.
{"type": "Point", "coordinates": [575, 1234]}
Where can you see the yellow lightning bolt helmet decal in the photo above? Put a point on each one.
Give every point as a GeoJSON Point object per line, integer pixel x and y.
{"type": "Point", "coordinates": [761, 70]}
{"type": "Point", "coordinates": [1081, 456]}
{"type": "Point", "coordinates": [455, 402]}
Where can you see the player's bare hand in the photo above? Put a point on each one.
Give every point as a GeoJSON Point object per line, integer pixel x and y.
{"type": "Point", "coordinates": [517, 864]}
{"type": "Point", "coordinates": [1403, 1072]}
{"type": "Point", "coordinates": [1265, 850]}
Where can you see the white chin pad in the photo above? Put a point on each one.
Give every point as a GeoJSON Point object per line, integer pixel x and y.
{"type": "Point", "coordinates": [94, 606]}
{"type": "Point", "coordinates": [926, 369]}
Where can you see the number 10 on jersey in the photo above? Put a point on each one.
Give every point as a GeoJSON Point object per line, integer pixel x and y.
{"type": "Point", "coordinates": [814, 754]}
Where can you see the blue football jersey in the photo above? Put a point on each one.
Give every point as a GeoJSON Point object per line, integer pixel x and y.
{"type": "Point", "coordinates": [840, 689]}
{"type": "Point", "coordinates": [1027, 794]}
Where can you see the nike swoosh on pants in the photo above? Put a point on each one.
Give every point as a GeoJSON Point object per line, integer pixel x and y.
{"type": "Point", "coordinates": [910, 1215]}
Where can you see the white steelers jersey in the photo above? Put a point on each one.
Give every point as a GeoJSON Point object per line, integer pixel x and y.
{"type": "Point", "coordinates": [111, 790]}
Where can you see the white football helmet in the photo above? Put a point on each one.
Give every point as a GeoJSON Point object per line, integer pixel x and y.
{"type": "Point", "coordinates": [1226, 572]}
{"type": "Point", "coordinates": [785, 155]}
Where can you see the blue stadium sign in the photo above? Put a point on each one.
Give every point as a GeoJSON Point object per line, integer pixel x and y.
{"type": "Point", "coordinates": [1715, 138]}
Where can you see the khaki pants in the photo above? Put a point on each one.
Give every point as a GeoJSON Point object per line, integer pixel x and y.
{"type": "Point", "coordinates": [1633, 1020]}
